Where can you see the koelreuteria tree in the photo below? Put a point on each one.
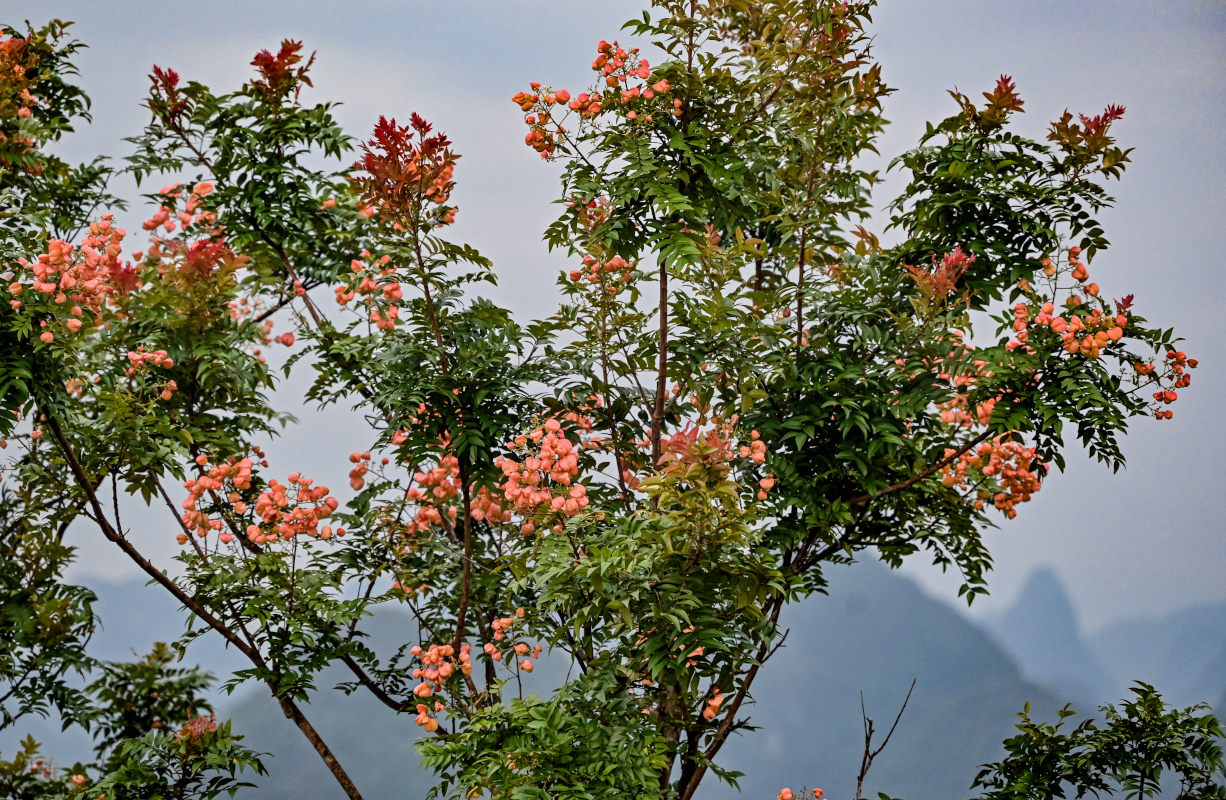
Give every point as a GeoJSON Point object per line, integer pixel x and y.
{"type": "Point", "coordinates": [742, 388]}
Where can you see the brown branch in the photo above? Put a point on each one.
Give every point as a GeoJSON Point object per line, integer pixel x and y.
{"type": "Point", "coordinates": [866, 761]}
{"type": "Point", "coordinates": [290, 709]}
{"type": "Point", "coordinates": [919, 476]}
{"type": "Point", "coordinates": [726, 727]}
{"type": "Point", "coordinates": [657, 414]}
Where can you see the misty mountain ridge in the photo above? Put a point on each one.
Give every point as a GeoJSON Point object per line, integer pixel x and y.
{"type": "Point", "coordinates": [874, 633]}
{"type": "Point", "coordinates": [1182, 654]}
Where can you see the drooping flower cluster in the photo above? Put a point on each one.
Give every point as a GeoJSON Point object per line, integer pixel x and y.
{"type": "Point", "coordinates": [540, 484]}
{"type": "Point", "coordinates": [439, 663]}
{"type": "Point", "coordinates": [168, 217]}
{"type": "Point", "coordinates": [17, 68]}
{"type": "Point", "coordinates": [1001, 470]}
{"type": "Point", "coordinates": [236, 473]}
{"type": "Point", "coordinates": [376, 288]}
{"type": "Point", "coordinates": [1007, 465]}
{"type": "Point", "coordinates": [280, 513]}
{"type": "Point", "coordinates": [66, 283]}
{"type": "Point", "coordinates": [139, 360]}
{"type": "Point", "coordinates": [1087, 326]}
{"type": "Point", "coordinates": [1176, 372]}
{"type": "Point", "coordinates": [525, 652]}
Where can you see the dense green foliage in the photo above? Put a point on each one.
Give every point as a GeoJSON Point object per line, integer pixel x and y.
{"type": "Point", "coordinates": [742, 389]}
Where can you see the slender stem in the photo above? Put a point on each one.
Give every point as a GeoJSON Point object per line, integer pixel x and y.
{"type": "Point", "coordinates": [919, 476]}
{"type": "Point", "coordinates": [288, 706]}
{"type": "Point", "coordinates": [657, 414]}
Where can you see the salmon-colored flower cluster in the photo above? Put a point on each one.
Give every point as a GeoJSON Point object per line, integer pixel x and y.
{"type": "Point", "coordinates": [294, 510]}
{"type": "Point", "coordinates": [786, 793]}
{"type": "Point", "coordinates": [1177, 367]}
{"type": "Point", "coordinates": [545, 132]}
{"type": "Point", "coordinates": [168, 218]}
{"type": "Point", "coordinates": [435, 486]}
{"type": "Point", "coordinates": [711, 708]}
{"type": "Point", "coordinates": [619, 67]}
{"type": "Point", "coordinates": [524, 652]}
{"type": "Point", "coordinates": [1089, 333]}
{"type": "Point", "coordinates": [1082, 332]}
{"type": "Point", "coordinates": [611, 276]}
{"type": "Point", "coordinates": [139, 359]}
{"type": "Point", "coordinates": [1086, 334]}
{"type": "Point", "coordinates": [439, 662]}
{"type": "Point", "coordinates": [957, 411]}
{"type": "Point", "coordinates": [18, 74]}
{"type": "Point", "coordinates": [280, 513]}
{"type": "Point", "coordinates": [620, 71]}
{"type": "Point", "coordinates": [755, 450]}
{"type": "Point", "coordinates": [1010, 466]}
{"type": "Point", "coordinates": [236, 473]}
{"type": "Point", "coordinates": [541, 482]}
{"type": "Point", "coordinates": [69, 282]}
{"type": "Point", "coordinates": [375, 287]}
{"type": "Point", "coordinates": [357, 475]}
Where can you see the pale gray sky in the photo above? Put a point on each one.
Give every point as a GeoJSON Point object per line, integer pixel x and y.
{"type": "Point", "coordinates": [1147, 540]}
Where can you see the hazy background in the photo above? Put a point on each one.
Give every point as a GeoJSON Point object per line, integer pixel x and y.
{"type": "Point", "coordinates": [1102, 578]}
{"type": "Point", "coordinates": [1145, 541]}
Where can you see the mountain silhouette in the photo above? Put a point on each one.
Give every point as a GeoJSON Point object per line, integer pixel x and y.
{"type": "Point", "coordinates": [874, 633]}
{"type": "Point", "coordinates": [1182, 654]}
{"type": "Point", "coordinates": [1040, 630]}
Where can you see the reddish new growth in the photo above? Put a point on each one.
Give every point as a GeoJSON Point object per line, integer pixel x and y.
{"type": "Point", "coordinates": [197, 728]}
{"type": "Point", "coordinates": [944, 276]}
{"type": "Point", "coordinates": [1090, 137]}
{"type": "Point", "coordinates": [70, 285]}
{"type": "Point", "coordinates": [1093, 126]}
{"type": "Point", "coordinates": [165, 100]}
{"type": "Point", "coordinates": [404, 177]}
{"type": "Point", "coordinates": [279, 74]}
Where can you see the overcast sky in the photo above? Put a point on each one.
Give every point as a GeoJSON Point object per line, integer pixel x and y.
{"type": "Point", "coordinates": [1142, 542]}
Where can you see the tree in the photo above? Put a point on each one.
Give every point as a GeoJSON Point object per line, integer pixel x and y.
{"type": "Point", "coordinates": [744, 388]}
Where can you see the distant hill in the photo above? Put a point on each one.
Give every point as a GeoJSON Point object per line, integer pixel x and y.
{"type": "Point", "coordinates": [874, 633]}
{"type": "Point", "coordinates": [1183, 654]}
{"type": "Point", "coordinates": [1041, 631]}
